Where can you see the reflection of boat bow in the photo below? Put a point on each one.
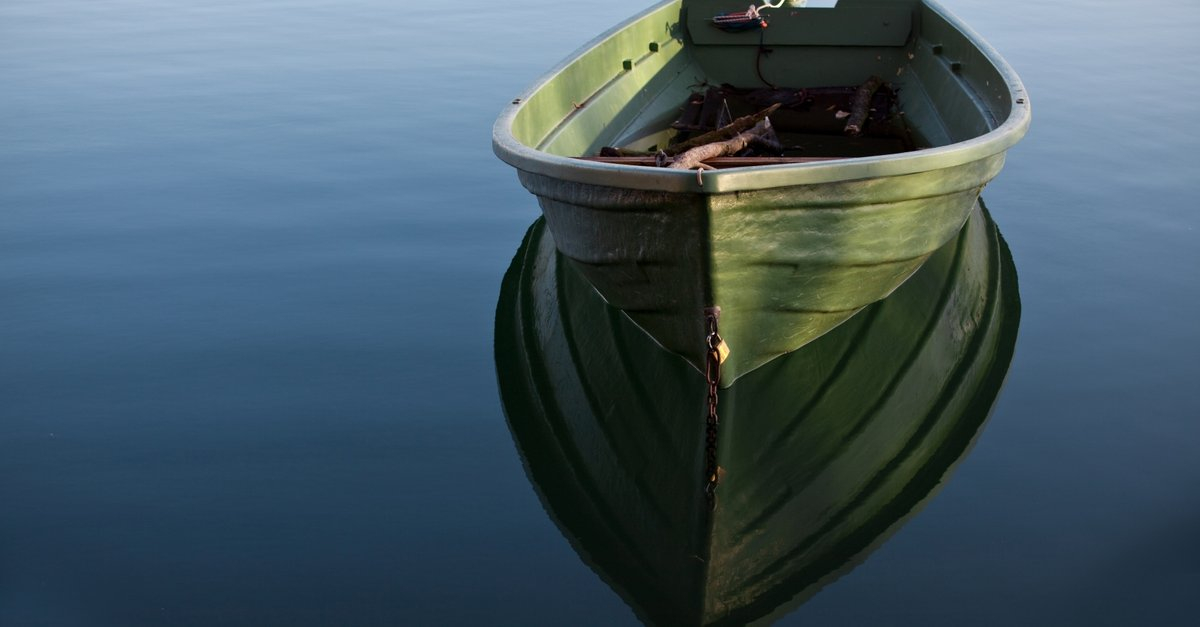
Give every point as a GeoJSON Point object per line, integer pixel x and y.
{"type": "Point", "coordinates": [823, 452]}
{"type": "Point", "coordinates": [787, 251]}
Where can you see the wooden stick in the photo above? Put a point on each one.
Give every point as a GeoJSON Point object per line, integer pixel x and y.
{"type": "Point", "coordinates": [716, 162]}
{"type": "Point", "coordinates": [862, 106]}
{"type": "Point", "coordinates": [694, 157]}
{"type": "Point", "coordinates": [728, 131]}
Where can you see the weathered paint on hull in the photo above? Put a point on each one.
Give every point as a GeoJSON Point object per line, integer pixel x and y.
{"type": "Point", "coordinates": [787, 252]}
{"type": "Point", "coordinates": [824, 453]}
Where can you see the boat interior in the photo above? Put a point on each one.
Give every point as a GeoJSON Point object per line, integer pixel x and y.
{"type": "Point", "coordinates": [673, 73]}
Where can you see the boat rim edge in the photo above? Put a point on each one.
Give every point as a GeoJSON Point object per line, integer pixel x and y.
{"type": "Point", "coordinates": [529, 159]}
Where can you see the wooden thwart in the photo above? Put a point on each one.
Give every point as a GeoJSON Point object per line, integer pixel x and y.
{"type": "Point", "coordinates": [716, 162]}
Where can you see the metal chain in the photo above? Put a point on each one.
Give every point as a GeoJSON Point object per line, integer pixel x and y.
{"type": "Point", "coordinates": [712, 375]}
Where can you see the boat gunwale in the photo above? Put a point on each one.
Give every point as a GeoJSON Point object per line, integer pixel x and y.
{"type": "Point", "coordinates": [524, 157]}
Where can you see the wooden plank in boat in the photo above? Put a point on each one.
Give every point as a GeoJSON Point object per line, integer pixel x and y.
{"type": "Point", "coordinates": [717, 162]}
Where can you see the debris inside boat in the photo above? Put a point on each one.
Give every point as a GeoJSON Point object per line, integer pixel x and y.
{"type": "Point", "coordinates": [728, 127]}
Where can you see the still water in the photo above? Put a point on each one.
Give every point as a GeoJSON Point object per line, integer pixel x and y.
{"type": "Point", "coordinates": [251, 255]}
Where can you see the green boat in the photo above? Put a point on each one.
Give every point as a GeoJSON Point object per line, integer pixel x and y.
{"type": "Point", "coordinates": [824, 453]}
{"type": "Point", "coordinates": [788, 248]}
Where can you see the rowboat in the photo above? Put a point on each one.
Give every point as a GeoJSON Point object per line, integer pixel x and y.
{"type": "Point", "coordinates": [824, 452]}
{"type": "Point", "coordinates": [788, 247]}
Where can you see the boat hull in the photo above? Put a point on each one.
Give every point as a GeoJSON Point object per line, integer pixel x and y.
{"type": "Point", "coordinates": [785, 265]}
{"type": "Point", "coordinates": [787, 252]}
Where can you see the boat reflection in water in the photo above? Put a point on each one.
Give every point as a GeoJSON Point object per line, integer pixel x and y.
{"type": "Point", "coordinates": [823, 452]}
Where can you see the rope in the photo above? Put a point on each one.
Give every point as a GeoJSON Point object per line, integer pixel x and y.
{"type": "Point", "coordinates": [712, 376]}
{"type": "Point", "coordinates": [763, 51]}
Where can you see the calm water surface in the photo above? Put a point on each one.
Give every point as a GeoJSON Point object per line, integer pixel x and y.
{"type": "Point", "coordinates": [250, 255]}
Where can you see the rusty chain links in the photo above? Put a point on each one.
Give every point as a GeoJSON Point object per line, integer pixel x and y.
{"type": "Point", "coordinates": [712, 375]}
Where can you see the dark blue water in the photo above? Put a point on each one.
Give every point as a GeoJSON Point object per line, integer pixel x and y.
{"type": "Point", "coordinates": [249, 260]}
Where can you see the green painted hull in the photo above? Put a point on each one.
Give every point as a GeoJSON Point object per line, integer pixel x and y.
{"type": "Point", "coordinates": [787, 252]}
{"type": "Point", "coordinates": [823, 453]}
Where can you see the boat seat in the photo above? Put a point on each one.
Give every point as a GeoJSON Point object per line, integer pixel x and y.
{"type": "Point", "coordinates": [848, 24]}
{"type": "Point", "coordinates": [716, 162]}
